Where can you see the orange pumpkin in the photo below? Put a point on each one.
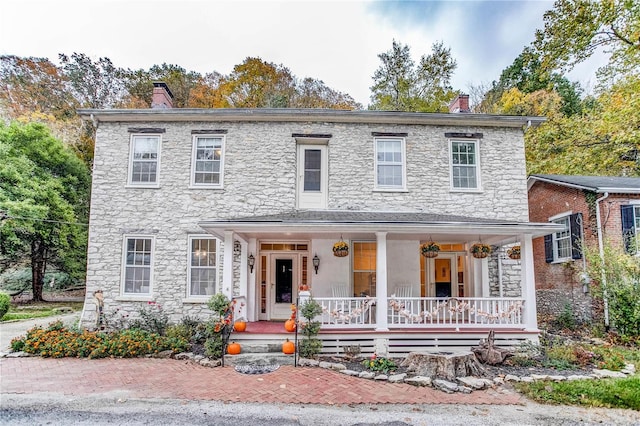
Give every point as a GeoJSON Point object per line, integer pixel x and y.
{"type": "Point", "coordinates": [288, 347]}
{"type": "Point", "coordinates": [240, 326]}
{"type": "Point", "coordinates": [233, 348]}
{"type": "Point", "coordinates": [290, 325]}
{"type": "Point", "coordinates": [304, 287]}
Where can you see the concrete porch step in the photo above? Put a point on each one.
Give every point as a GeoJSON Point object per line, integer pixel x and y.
{"type": "Point", "coordinates": [265, 358]}
{"type": "Point", "coordinates": [249, 347]}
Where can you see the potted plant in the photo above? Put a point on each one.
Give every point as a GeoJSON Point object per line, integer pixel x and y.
{"type": "Point", "coordinates": [429, 249]}
{"type": "Point", "coordinates": [480, 250]}
{"type": "Point", "coordinates": [514, 252]}
{"type": "Point", "coordinates": [340, 249]}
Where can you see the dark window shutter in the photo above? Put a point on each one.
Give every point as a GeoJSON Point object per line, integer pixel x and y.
{"type": "Point", "coordinates": [548, 248]}
{"type": "Point", "coordinates": [628, 231]}
{"type": "Point", "coordinates": [575, 223]}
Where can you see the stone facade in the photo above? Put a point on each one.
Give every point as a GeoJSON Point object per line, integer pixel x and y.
{"type": "Point", "coordinates": [260, 178]}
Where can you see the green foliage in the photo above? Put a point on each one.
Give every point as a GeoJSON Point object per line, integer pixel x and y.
{"type": "Point", "coordinates": [57, 341]}
{"type": "Point", "coordinates": [213, 347]}
{"type": "Point", "coordinates": [566, 319]}
{"type": "Point", "coordinates": [219, 304]}
{"type": "Point", "coordinates": [400, 85]}
{"type": "Point", "coordinates": [44, 190]}
{"type": "Point", "coordinates": [152, 319]}
{"type": "Point", "coordinates": [611, 393]}
{"type": "Point", "coordinates": [310, 346]}
{"type": "Point", "coordinates": [622, 289]}
{"type": "Point", "coordinates": [380, 364]}
{"type": "Point", "coordinates": [5, 303]}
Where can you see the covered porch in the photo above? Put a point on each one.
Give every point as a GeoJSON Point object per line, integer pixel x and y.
{"type": "Point", "coordinates": [384, 283]}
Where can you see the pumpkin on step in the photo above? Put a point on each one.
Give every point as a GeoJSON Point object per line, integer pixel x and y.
{"type": "Point", "coordinates": [233, 348]}
{"type": "Point", "coordinates": [240, 326]}
{"type": "Point", "coordinates": [290, 325]}
{"type": "Point", "coordinates": [288, 347]}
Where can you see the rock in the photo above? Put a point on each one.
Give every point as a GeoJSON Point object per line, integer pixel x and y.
{"type": "Point", "coordinates": [418, 381]}
{"type": "Point", "coordinates": [337, 366]}
{"type": "Point", "coordinates": [397, 378]}
{"type": "Point", "coordinates": [539, 377]}
{"type": "Point", "coordinates": [499, 380]}
{"type": "Point", "coordinates": [578, 377]}
{"type": "Point", "coordinates": [324, 364]}
{"type": "Point", "coordinates": [306, 362]}
{"type": "Point", "coordinates": [198, 358]}
{"type": "Point", "coordinates": [349, 372]}
{"type": "Point", "coordinates": [475, 382]}
{"type": "Point", "coordinates": [629, 369]}
{"type": "Point", "coordinates": [526, 379]}
{"type": "Point", "coordinates": [18, 354]}
{"type": "Point", "coordinates": [608, 373]}
{"type": "Point", "coordinates": [557, 378]}
{"type": "Point", "coordinates": [445, 386]}
{"type": "Point", "coordinates": [381, 377]}
{"type": "Point", "coordinates": [184, 356]}
{"type": "Point", "coordinates": [163, 354]}
{"type": "Point", "coordinates": [367, 375]}
{"type": "Point", "coordinates": [511, 378]}
{"type": "Point", "coordinates": [206, 362]}
{"type": "Point", "coordinates": [464, 389]}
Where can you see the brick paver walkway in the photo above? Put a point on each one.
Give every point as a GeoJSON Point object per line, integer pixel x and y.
{"type": "Point", "coordinates": [168, 378]}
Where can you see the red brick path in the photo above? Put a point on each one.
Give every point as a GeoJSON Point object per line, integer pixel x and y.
{"type": "Point", "coordinates": [167, 378]}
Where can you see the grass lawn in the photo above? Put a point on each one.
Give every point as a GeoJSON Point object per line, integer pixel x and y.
{"type": "Point", "coordinates": [610, 393]}
{"type": "Point", "coordinates": [38, 310]}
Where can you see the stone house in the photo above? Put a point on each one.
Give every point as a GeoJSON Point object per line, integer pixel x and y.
{"type": "Point", "coordinates": [593, 210]}
{"type": "Point", "coordinates": [250, 202]}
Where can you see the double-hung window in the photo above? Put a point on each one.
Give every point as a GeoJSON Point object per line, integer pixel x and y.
{"type": "Point", "coordinates": [565, 244]}
{"type": "Point", "coordinates": [390, 163]}
{"type": "Point", "coordinates": [203, 266]}
{"type": "Point", "coordinates": [138, 264]}
{"type": "Point", "coordinates": [144, 160]}
{"type": "Point", "coordinates": [631, 228]}
{"type": "Point", "coordinates": [465, 166]}
{"type": "Point", "coordinates": [207, 161]}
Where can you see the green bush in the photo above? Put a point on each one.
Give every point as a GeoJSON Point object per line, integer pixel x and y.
{"type": "Point", "coordinates": [152, 319]}
{"type": "Point", "coordinates": [379, 364]}
{"type": "Point", "coordinates": [310, 346]}
{"type": "Point", "coordinates": [5, 303]}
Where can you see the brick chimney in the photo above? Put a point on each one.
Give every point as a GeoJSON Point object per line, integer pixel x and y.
{"type": "Point", "coordinates": [460, 104]}
{"type": "Point", "coordinates": [162, 97]}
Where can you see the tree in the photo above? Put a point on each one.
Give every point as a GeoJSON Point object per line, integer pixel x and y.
{"type": "Point", "coordinates": [400, 85]}
{"type": "Point", "coordinates": [94, 84]}
{"type": "Point", "coordinates": [44, 198]}
{"type": "Point", "coordinates": [604, 140]}
{"type": "Point", "coordinates": [575, 29]}
{"type": "Point", "coordinates": [312, 93]}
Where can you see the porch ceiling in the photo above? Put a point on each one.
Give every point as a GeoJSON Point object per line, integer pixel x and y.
{"type": "Point", "coordinates": [307, 224]}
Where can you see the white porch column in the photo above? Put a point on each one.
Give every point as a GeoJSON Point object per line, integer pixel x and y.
{"type": "Point", "coordinates": [227, 272]}
{"type": "Point", "coordinates": [381, 282]}
{"type": "Point", "coordinates": [528, 283]}
{"type": "Point", "coordinates": [252, 303]}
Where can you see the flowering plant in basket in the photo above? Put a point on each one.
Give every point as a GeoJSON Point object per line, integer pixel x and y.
{"type": "Point", "coordinates": [480, 250]}
{"type": "Point", "coordinates": [429, 249]}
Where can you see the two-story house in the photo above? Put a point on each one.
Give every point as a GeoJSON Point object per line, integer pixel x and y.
{"type": "Point", "coordinates": [594, 210]}
{"type": "Point", "coordinates": [250, 202]}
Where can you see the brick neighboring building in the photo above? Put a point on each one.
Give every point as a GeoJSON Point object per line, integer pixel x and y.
{"type": "Point", "coordinates": [585, 204]}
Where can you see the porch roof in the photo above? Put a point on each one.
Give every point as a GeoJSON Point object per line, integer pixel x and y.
{"type": "Point", "coordinates": [399, 224]}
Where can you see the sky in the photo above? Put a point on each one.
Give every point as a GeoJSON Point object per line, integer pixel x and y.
{"type": "Point", "coordinates": [337, 42]}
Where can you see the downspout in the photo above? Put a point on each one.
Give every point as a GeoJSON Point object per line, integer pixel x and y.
{"type": "Point", "coordinates": [601, 250]}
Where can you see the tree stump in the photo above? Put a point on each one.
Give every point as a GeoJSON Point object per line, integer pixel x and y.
{"type": "Point", "coordinates": [489, 353]}
{"type": "Point", "coordinates": [443, 364]}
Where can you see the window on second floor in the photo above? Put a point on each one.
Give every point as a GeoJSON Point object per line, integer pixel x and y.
{"type": "Point", "coordinates": [144, 160]}
{"type": "Point", "coordinates": [390, 163]}
{"type": "Point", "coordinates": [465, 166]}
{"type": "Point", "coordinates": [631, 228]}
{"type": "Point", "coordinates": [566, 244]}
{"type": "Point", "coordinates": [207, 161]}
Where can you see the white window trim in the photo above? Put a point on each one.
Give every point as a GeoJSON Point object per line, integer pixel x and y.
{"type": "Point", "coordinates": [554, 245]}
{"type": "Point", "coordinates": [390, 188]}
{"type": "Point", "coordinates": [130, 182]}
{"type": "Point", "coordinates": [137, 296]}
{"type": "Point", "coordinates": [476, 142]}
{"type": "Point", "coordinates": [194, 298]}
{"type": "Point", "coordinates": [194, 149]}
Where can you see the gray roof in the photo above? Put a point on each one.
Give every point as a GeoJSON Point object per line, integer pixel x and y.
{"type": "Point", "coordinates": [594, 183]}
{"type": "Point", "coordinates": [351, 216]}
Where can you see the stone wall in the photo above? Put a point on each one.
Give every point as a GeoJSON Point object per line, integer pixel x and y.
{"type": "Point", "coordinates": [511, 274]}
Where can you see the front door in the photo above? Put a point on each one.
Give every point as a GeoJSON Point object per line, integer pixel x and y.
{"type": "Point", "coordinates": [443, 276]}
{"type": "Point", "coordinates": [283, 288]}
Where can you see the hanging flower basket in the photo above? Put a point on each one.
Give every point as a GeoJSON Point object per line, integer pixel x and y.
{"type": "Point", "coordinates": [514, 253]}
{"type": "Point", "coordinates": [480, 251]}
{"type": "Point", "coordinates": [429, 249]}
{"type": "Point", "coordinates": [340, 249]}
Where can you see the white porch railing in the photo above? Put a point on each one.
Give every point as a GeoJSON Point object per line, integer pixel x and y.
{"type": "Point", "coordinates": [420, 312]}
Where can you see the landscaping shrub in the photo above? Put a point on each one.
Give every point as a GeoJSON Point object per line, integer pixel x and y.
{"type": "Point", "coordinates": [379, 364]}
{"type": "Point", "coordinates": [152, 319]}
{"type": "Point", "coordinates": [310, 346]}
{"type": "Point", "coordinates": [5, 303]}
